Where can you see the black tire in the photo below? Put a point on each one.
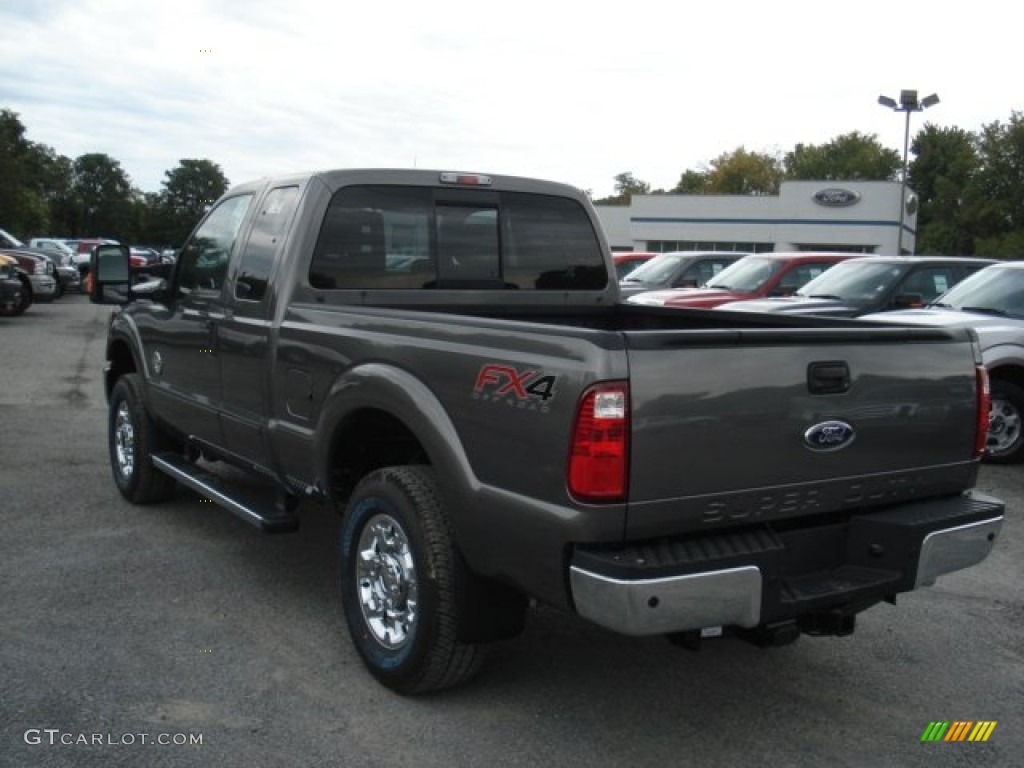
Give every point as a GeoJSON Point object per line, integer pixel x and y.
{"type": "Point", "coordinates": [400, 601]}
{"type": "Point", "coordinates": [1005, 444]}
{"type": "Point", "coordinates": [133, 439]}
{"type": "Point", "coordinates": [23, 303]}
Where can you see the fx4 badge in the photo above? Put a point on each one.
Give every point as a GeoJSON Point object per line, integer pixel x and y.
{"type": "Point", "coordinates": [529, 389]}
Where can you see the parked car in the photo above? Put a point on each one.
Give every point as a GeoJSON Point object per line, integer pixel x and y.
{"type": "Point", "coordinates": [678, 269]}
{"type": "Point", "coordinates": [150, 255]}
{"type": "Point", "coordinates": [752, 277]}
{"type": "Point", "coordinates": [627, 261]}
{"type": "Point", "coordinates": [52, 245]}
{"type": "Point", "coordinates": [7, 240]}
{"type": "Point", "coordinates": [55, 251]}
{"type": "Point", "coordinates": [40, 271]}
{"type": "Point", "coordinates": [83, 249]}
{"type": "Point", "coordinates": [991, 301]}
{"type": "Point", "coordinates": [15, 291]}
{"type": "Point", "coordinates": [64, 270]}
{"type": "Point", "coordinates": [871, 284]}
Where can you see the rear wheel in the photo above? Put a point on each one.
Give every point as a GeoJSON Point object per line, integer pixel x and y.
{"type": "Point", "coordinates": [399, 580]}
{"type": "Point", "coordinates": [133, 439]}
{"type": "Point", "coordinates": [1005, 443]}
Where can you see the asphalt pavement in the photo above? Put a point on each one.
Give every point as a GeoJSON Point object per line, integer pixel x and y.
{"type": "Point", "coordinates": [178, 635]}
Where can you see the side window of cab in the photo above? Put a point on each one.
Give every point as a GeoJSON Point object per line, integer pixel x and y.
{"type": "Point", "coordinates": [204, 259]}
{"type": "Point", "coordinates": [270, 224]}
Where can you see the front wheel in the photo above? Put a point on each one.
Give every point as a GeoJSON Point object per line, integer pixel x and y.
{"type": "Point", "coordinates": [1005, 443]}
{"type": "Point", "coordinates": [133, 438]}
{"type": "Point", "coordinates": [24, 302]}
{"type": "Point", "coordinates": [399, 581]}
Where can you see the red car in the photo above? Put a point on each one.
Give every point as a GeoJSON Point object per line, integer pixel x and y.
{"type": "Point", "coordinates": [627, 261]}
{"type": "Point", "coordinates": [752, 277]}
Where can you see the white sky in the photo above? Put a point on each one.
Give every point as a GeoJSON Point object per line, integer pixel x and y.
{"type": "Point", "coordinates": [559, 89]}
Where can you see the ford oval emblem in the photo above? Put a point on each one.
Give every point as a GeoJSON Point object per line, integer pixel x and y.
{"type": "Point", "coordinates": [836, 198]}
{"type": "Point", "coordinates": [829, 436]}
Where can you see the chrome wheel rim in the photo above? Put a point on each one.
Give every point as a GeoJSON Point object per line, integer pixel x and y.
{"type": "Point", "coordinates": [386, 579]}
{"type": "Point", "coordinates": [124, 440]}
{"type": "Point", "coordinates": [1004, 427]}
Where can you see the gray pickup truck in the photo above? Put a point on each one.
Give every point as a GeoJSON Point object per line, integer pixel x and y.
{"type": "Point", "coordinates": [442, 359]}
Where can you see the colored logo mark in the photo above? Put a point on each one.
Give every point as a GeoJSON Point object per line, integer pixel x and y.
{"type": "Point", "coordinates": [959, 730]}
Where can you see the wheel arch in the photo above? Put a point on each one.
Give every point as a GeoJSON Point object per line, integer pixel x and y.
{"type": "Point", "coordinates": [378, 415]}
{"type": "Point", "coordinates": [1012, 371]}
{"type": "Point", "coordinates": [121, 359]}
{"type": "Point", "coordinates": [1004, 438]}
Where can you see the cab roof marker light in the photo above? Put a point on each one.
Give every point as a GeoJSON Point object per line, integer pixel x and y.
{"type": "Point", "coordinates": [465, 179]}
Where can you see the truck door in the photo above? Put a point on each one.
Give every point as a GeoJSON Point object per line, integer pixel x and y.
{"type": "Point", "coordinates": [184, 363]}
{"type": "Point", "coordinates": [244, 333]}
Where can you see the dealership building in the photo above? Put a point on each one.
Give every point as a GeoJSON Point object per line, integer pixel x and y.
{"type": "Point", "coordinates": [849, 216]}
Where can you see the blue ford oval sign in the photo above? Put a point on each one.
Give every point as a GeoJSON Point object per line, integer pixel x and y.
{"type": "Point", "coordinates": [836, 198]}
{"type": "Point", "coordinates": [829, 436]}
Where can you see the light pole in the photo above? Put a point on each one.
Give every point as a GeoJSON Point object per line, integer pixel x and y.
{"type": "Point", "coordinates": [908, 103]}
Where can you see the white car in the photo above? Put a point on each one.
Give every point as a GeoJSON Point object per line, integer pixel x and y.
{"type": "Point", "coordinates": [991, 301]}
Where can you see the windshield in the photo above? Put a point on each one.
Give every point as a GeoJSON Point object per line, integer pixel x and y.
{"type": "Point", "coordinates": [854, 281]}
{"type": "Point", "coordinates": [999, 290]}
{"type": "Point", "coordinates": [658, 270]}
{"type": "Point", "coordinates": [746, 275]}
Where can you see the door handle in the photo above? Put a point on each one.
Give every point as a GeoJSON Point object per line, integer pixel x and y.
{"type": "Point", "coordinates": [830, 377]}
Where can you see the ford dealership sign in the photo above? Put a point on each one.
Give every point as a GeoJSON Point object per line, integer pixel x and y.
{"type": "Point", "coordinates": [836, 197]}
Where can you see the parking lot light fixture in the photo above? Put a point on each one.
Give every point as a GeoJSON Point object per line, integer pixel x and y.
{"type": "Point", "coordinates": [908, 103]}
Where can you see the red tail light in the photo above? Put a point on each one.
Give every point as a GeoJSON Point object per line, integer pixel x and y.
{"type": "Point", "coordinates": [984, 404]}
{"type": "Point", "coordinates": [599, 459]}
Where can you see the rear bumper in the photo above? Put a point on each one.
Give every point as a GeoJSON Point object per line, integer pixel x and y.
{"type": "Point", "coordinates": [761, 575]}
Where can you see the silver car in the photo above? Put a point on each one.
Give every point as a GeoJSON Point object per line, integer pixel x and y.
{"type": "Point", "coordinates": [991, 301]}
{"type": "Point", "coordinates": [42, 274]}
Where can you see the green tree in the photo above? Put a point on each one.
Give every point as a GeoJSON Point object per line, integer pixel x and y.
{"type": "Point", "coordinates": [741, 172]}
{"type": "Point", "coordinates": [945, 162]}
{"type": "Point", "coordinates": [103, 196]}
{"type": "Point", "coordinates": [852, 156]}
{"type": "Point", "coordinates": [23, 208]}
{"type": "Point", "coordinates": [994, 198]}
{"type": "Point", "coordinates": [692, 183]}
{"type": "Point", "coordinates": [187, 192]}
{"type": "Point", "coordinates": [626, 185]}
{"type": "Point", "coordinates": [52, 179]}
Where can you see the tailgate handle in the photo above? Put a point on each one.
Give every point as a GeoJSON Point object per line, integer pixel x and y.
{"type": "Point", "coordinates": [828, 378]}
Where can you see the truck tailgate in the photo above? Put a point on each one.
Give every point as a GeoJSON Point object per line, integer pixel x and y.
{"type": "Point", "coordinates": [739, 426]}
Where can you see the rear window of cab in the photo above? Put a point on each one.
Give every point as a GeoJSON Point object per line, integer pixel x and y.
{"type": "Point", "coordinates": [401, 237]}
